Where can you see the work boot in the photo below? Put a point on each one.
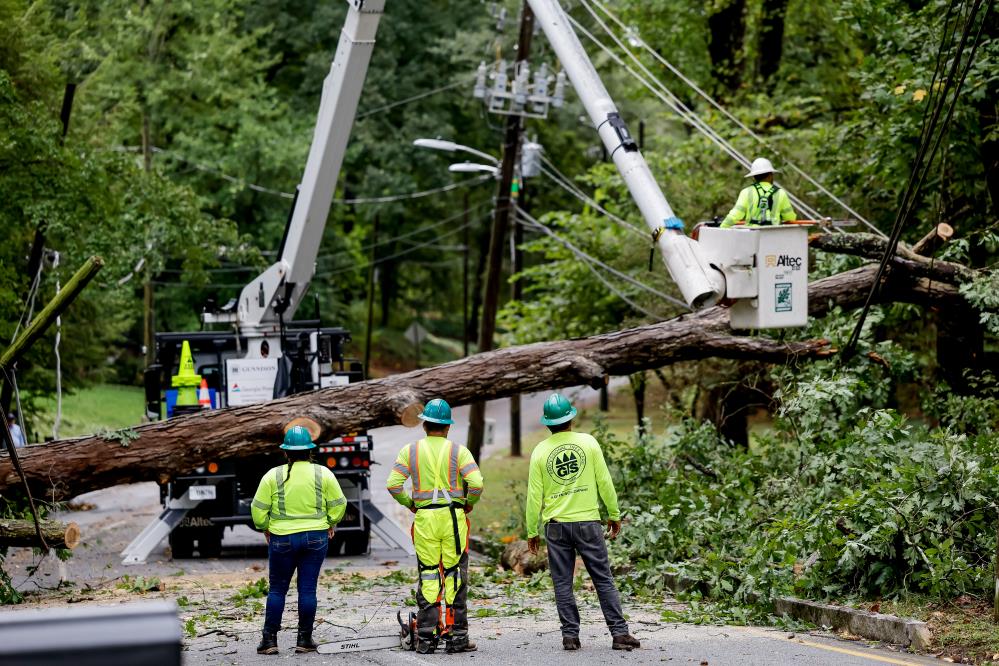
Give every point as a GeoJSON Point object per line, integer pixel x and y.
{"type": "Point", "coordinates": [426, 647]}
{"type": "Point", "coordinates": [461, 645]}
{"type": "Point", "coordinates": [570, 643]}
{"type": "Point", "coordinates": [305, 642]}
{"type": "Point", "coordinates": [625, 642]}
{"type": "Point", "coordinates": [268, 643]}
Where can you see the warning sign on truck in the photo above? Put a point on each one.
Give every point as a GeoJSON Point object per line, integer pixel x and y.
{"type": "Point", "coordinates": [250, 381]}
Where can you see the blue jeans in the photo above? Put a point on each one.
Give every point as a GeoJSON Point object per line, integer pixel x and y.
{"type": "Point", "coordinates": [304, 551]}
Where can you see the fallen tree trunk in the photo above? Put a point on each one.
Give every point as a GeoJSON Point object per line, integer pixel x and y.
{"type": "Point", "coordinates": [22, 533]}
{"type": "Point", "coordinates": [67, 468]}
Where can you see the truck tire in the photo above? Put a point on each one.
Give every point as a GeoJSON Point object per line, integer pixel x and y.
{"type": "Point", "coordinates": [181, 544]}
{"type": "Point", "coordinates": [356, 543]}
{"type": "Point", "coordinates": [210, 541]}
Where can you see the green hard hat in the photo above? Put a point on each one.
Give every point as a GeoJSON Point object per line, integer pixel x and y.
{"type": "Point", "coordinates": [298, 439]}
{"type": "Point", "coordinates": [437, 411]}
{"type": "Point", "coordinates": [558, 410]}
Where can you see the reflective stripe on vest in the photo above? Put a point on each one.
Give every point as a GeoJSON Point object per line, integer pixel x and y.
{"type": "Point", "coordinates": [282, 513]}
{"type": "Point", "coordinates": [453, 489]}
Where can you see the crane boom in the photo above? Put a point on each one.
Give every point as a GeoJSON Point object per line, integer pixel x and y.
{"type": "Point", "coordinates": [699, 283]}
{"type": "Point", "coordinates": [278, 291]}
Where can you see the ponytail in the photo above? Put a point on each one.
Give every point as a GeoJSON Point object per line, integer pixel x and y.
{"type": "Point", "coordinates": [294, 457]}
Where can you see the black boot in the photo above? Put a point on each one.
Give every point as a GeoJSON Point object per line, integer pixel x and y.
{"type": "Point", "coordinates": [570, 643]}
{"type": "Point", "coordinates": [426, 647]}
{"type": "Point", "coordinates": [305, 642]}
{"type": "Point", "coordinates": [268, 643]}
{"type": "Point", "coordinates": [461, 644]}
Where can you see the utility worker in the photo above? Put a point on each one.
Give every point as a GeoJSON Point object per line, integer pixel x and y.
{"type": "Point", "coordinates": [568, 475]}
{"type": "Point", "coordinates": [446, 485]}
{"type": "Point", "coordinates": [296, 507]}
{"type": "Point", "coordinates": [762, 202]}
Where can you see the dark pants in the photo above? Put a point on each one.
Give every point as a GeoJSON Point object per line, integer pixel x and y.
{"type": "Point", "coordinates": [304, 551]}
{"type": "Point", "coordinates": [429, 614]}
{"type": "Point", "coordinates": [587, 539]}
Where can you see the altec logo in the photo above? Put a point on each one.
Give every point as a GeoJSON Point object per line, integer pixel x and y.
{"type": "Point", "coordinates": [783, 261]}
{"type": "Point", "coordinates": [566, 463]}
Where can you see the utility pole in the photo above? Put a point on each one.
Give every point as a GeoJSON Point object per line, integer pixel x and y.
{"type": "Point", "coordinates": [464, 282]}
{"type": "Point", "coordinates": [517, 295]}
{"type": "Point", "coordinates": [501, 219]}
{"type": "Point", "coordinates": [371, 299]}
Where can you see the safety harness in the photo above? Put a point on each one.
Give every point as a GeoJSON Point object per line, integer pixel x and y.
{"type": "Point", "coordinates": [765, 203]}
{"type": "Point", "coordinates": [441, 491]}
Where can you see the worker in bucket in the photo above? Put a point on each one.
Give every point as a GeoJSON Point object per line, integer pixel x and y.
{"type": "Point", "coordinates": [763, 202]}
{"type": "Point", "coordinates": [568, 478]}
{"type": "Point", "coordinates": [296, 506]}
{"type": "Point", "coordinates": [446, 485]}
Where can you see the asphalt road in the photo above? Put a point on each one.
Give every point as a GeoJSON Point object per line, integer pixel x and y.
{"type": "Point", "coordinates": [506, 636]}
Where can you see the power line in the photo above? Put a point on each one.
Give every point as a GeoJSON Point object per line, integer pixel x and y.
{"type": "Point", "coordinates": [533, 221]}
{"type": "Point", "coordinates": [392, 105]}
{"type": "Point", "coordinates": [478, 180]}
{"type": "Point", "coordinates": [673, 102]}
{"type": "Point", "coordinates": [658, 57]}
{"type": "Point", "coordinates": [562, 181]}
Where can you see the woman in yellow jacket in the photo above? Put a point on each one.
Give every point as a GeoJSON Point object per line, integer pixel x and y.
{"type": "Point", "coordinates": [296, 507]}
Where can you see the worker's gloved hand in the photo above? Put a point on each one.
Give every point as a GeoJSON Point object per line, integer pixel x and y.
{"type": "Point", "coordinates": [613, 529]}
{"type": "Point", "coordinates": [468, 508]}
{"type": "Point", "coordinates": [267, 537]}
{"type": "Point", "coordinates": [329, 532]}
{"type": "Point", "coordinates": [533, 544]}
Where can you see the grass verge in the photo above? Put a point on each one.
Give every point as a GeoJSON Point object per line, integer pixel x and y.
{"type": "Point", "coordinates": [104, 406]}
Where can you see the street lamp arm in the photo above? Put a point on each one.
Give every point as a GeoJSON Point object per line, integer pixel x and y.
{"type": "Point", "coordinates": [451, 147]}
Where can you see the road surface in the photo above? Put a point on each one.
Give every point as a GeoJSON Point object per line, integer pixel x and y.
{"type": "Point", "coordinates": [359, 596]}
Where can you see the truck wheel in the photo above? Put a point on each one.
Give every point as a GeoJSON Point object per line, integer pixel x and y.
{"type": "Point", "coordinates": [336, 545]}
{"type": "Point", "coordinates": [356, 543]}
{"type": "Point", "coordinates": [210, 542]}
{"type": "Point", "coordinates": [181, 544]}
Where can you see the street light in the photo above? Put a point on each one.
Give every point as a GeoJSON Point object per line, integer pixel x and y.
{"type": "Point", "coordinates": [451, 147]}
{"type": "Point", "coordinates": [472, 167]}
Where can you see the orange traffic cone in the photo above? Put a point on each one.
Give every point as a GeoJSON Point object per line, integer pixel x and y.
{"type": "Point", "coordinates": [204, 398]}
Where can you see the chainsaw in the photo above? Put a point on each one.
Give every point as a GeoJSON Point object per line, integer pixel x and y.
{"type": "Point", "coordinates": [405, 639]}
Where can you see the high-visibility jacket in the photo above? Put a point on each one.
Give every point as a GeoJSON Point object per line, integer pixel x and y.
{"type": "Point", "coordinates": [568, 476]}
{"type": "Point", "coordinates": [435, 466]}
{"type": "Point", "coordinates": [301, 497]}
{"type": "Point", "coordinates": [761, 203]}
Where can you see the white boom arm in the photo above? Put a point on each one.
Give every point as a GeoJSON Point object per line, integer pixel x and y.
{"type": "Point", "coordinates": [700, 284]}
{"type": "Point", "coordinates": [281, 288]}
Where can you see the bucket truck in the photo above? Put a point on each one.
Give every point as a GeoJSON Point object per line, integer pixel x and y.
{"type": "Point", "coordinates": [266, 353]}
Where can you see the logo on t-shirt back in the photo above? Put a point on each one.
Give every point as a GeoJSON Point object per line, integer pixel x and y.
{"type": "Point", "coordinates": [566, 463]}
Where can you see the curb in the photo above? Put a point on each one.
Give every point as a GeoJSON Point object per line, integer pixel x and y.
{"type": "Point", "coordinates": [876, 626]}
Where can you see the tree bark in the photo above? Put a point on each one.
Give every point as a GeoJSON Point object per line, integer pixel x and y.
{"type": "Point", "coordinates": [67, 468]}
{"type": "Point", "coordinates": [22, 533]}
{"type": "Point", "coordinates": [771, 43]}
{"type": "Point", "coordinates": [727, 26]}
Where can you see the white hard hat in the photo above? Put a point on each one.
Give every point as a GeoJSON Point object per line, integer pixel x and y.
{"type": "Point", "coordinates": [760, 166]}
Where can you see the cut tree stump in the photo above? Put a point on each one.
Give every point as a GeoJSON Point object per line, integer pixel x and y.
{"type": "Point", "coordinates": [22, 533]}
{"type": "Point", "coordinates": [63, 469]}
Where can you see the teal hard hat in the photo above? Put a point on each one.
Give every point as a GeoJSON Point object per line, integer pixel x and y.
{"type": "Point", "coordinates": [297, 439]}
{"type": "Point", "coordinates": [437, 411]}
{"type": "Point", "coordinates": [558, 410]}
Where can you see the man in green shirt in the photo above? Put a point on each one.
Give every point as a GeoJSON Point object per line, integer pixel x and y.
{"type": "Point", "coordinates": [763, 202]}
{"type": "Point", "coordinates": [567, 480]}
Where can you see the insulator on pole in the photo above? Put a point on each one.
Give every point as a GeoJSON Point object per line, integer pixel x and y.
{"type": "Point", "coordinates": [479, 92]}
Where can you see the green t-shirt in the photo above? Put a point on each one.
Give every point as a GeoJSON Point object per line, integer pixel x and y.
{"type": "Point", "coordinates": [568, 479]}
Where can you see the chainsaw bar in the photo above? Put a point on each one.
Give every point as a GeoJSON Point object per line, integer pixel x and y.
{"type": "Point", "coordinates": [359, 644]}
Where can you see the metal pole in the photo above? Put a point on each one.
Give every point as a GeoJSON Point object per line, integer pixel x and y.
{"type": "Point", "coordinates": [371, 299]}
{"type": "Point", "coordinates": [490, 302]}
